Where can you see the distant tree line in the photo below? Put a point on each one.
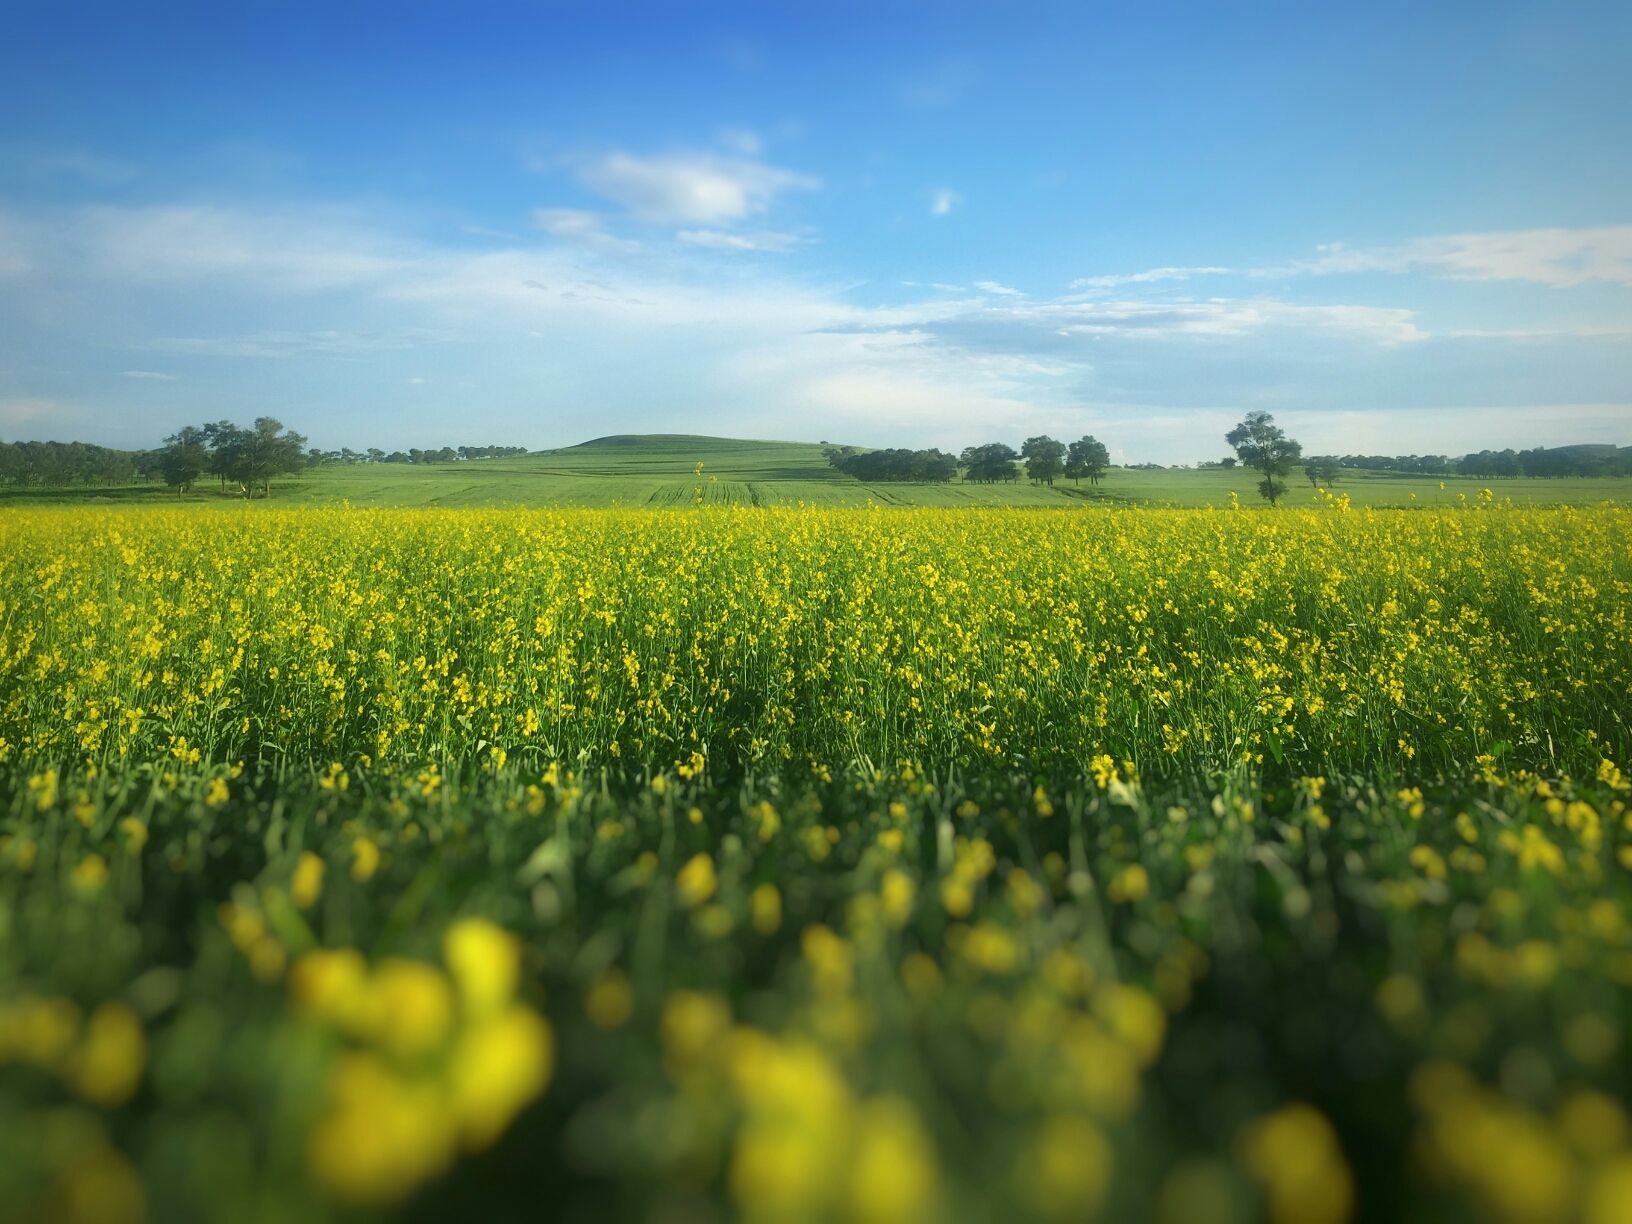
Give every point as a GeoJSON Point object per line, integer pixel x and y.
{"type": "Point", "coordinates": [1045, 460]}
{"type": "Point", "coordinates": [55, 464]}
{"type": "Point", "coordinates": [1604, 460]}
{"type": "Point", "coordinates": [231, 454]}
{"type": "Point", "coordinates": [445, 454]}
{"type": "Point", "coordinates": [894, 464]}
{"type": "Point", "coordinates": [251, 457]}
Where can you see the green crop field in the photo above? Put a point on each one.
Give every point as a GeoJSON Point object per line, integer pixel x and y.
{"type": "Point", "coordinates": [660, 470]}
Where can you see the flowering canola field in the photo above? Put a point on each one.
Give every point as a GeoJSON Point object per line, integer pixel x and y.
{"type": "Point", "coordinates": [797, 864]}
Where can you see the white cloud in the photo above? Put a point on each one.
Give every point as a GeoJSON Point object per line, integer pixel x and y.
{"type": "Point", "coordinates": [1215, 317]}
{"type": "Point", "coordinates": [1561, 258]}
{"type": "Point", "coordinates": [725, 240]}
{"type": "Point", "coordinates": [581, 226]}
{"type": "Point", "coordinates": [723, 347]}
{"type": "Point", "coordinates": [942, 201]}
{"type": "Point", "coordinates": [1383, 430]}
{"type": "Point", "coordinates": [147, 375]}
{"type": "Point", "coordinates": [16, 411]}
{"type": "Point", "coordinates": [690, 188]}
{"type": "Point", "coordinates": [297, 249]}
{"type": "Point", "coordinates": [1582, 331]}
{"type": "Point", "coordinates": [1149, 276]}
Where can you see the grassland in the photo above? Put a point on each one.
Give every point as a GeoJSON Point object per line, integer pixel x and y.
{"type": "Point", "coordinates": [660, 471]}
{"type": "Point", "coordinates": [815, 864]}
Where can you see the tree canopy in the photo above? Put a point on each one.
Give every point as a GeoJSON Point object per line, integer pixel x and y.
{"type": "Point", "coordinates": [917, 466]}
{"type": "Point", "coordinates": [990, 463]}
{"type": "Point", "coordinates": [1045, 459]}
{"type": "Point", "coordinates": [1263, 445]}
{"type": "Point", "coordinates": [1089, 457]}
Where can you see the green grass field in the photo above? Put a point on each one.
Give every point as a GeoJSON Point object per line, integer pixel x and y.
{"type": "Point", "coordinates": [661, 470]}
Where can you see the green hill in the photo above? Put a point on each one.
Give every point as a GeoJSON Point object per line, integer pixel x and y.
{"type": "Point", "coordinates": [653, 470]}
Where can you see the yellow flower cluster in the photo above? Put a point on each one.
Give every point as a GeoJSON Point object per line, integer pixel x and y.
{"type": "Point", "coordinates": [439, 1061]}
{"type": "Point", "coordinates": [1188, 638]}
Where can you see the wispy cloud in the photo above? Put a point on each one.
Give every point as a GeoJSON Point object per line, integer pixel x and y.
{"type": "Point", "coordinates": [284, 344]}
{"type": "Point", "coordinates": [1225, 317]}
{"type": "Point", "coordinates": [1147, 277]}
{"type": "Point", "coordinates": [293, 249]}
{"type": "Point", "coordinates": [581, 226]}
{"type": "Point", "coordinates": [942, 201]}
{"type": "Point", "coordinates": [147, 375]}
{"type": "Point", "coordinates": [520, 319]}
{"type": "Point", "coordinates": [1577, 331]}
{"type": "Point", "coordinates": [690, 188]}
{"type": "Point", "coordinates": [743, 141]}
{"type": "Point", "coordinates": [1560, 258]}
{"type": "Point", "coordinates": [725, 240]}
{"type": "Point", "coordinates": [18, 411]}
{"type": "Point", "coordinates": [35, 162]}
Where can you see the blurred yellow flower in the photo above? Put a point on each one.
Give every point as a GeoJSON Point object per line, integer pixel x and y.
{"type": "Point", "coordinates": [485, 962]}
{"type": "Point", "coordinates": [307, 884]}
{"type": "Point", "coordinates": [108, 1065]}
{"type": "Point", "coordinates": [696, 882]}
{"type": "Point", "coordinates": [497, 1066]}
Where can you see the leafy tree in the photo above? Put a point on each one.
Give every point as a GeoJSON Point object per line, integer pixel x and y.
{"type": "Point", "coordinates": [253, 456]}
{"type": "Point", "coordinates": [1321, 469]}
{"type": "Point", "coordinates": [990, 463]}
{"type": "Point", "coordinates": [1087, 456]}
{"type": "Point", "coordinates": [921, 466]}
{"type": "Point", "coordinates": [1045, 459]}
{"type": "Point", "coordinates": [1264, 446]}
{"type": "Point", "coordinates": [184, 458]}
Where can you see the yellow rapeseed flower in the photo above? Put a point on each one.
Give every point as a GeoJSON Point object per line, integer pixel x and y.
{"type": "Point", "coordinates": [365, 859]}
{"type": "Point", "coordinates": [485, 963]}
{"type": "Point", "coordinates": [696, 881]}
{"type": "Point", "coordinates": [108, 1065]}
{"type": "Point", "coordinates": [498, 1066]}
{"type": "Point", "coordinates": [306, 886]}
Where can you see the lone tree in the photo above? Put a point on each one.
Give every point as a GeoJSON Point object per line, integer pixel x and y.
{"type": "Point", "coordinates": [1087, 457]}
{"type": "Point", "coordinates": [1045, 459]}
{"type": "Point", "coordinates": [1264, 446]}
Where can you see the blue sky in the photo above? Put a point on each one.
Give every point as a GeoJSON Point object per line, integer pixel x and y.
{"type": "Point", "coordinates": [1399, 227]}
